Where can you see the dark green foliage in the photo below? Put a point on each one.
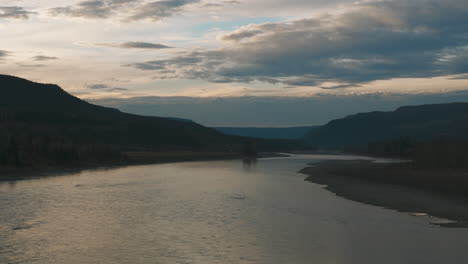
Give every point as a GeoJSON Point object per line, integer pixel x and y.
{"type": "Point", "coordinates": [42, 125]}
{"type": "Point", "coordinates": [249, 149]}
{"type": "Point", "coordinates": [434, 136]}
{"type": "Point", "coordinates": [268, 132]}
{"type": "Point", "coordinates": [402, 147]}
{"type": "Point", "coordinates": [421, 123]}
{"type": "Point", "coordinates": [27, 148]}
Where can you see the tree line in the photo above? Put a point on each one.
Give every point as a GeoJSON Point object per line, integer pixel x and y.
{"type": "Point", "coordinates": [440, 152]}
{"type": "Point", "coordinates": [23, 147]}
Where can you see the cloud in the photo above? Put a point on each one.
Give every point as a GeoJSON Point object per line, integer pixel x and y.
{"type": "Point", "coordinates": [134, 45]}
{"type": "Point", "coordinates": [105, 87]}
{"type": "Point", "coordinates": [117, 89]}
{"type": "Point", "coordinates": [221, 4]}
{"type": "Point", "coordinates": [98, 86]}
{"type": "Point", "coordinates": [14, 12]}
{"type": "Point", "coordinates": [89, 9]}
{"type": "Point", "coordinates": [239, 35]}
{"type": "Point", "coordinates": [127, 10]}
{"type": "Point", "coordinates": [342, 86]}
{"type": "Point", "coordinates": [366, 41]}
{"type": "Point", "coordinates": [460, 77]}
{"type": "Point", "coordinates": [44, 58]}
{"type": "Point", "coordinates": [158, 10]}
{"type": "Point", "coordinates": [25, 65]}
{"type": "Point", "coordinates": [3, 54]}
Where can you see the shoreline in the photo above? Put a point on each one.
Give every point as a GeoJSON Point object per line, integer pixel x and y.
{"type": "Point", "coordinates": [357, 181]}
{"type": "Point", "coordinates": [134, 159]}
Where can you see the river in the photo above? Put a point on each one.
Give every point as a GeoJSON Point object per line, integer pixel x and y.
{"type": "Point", "coordinates": [209, 212]}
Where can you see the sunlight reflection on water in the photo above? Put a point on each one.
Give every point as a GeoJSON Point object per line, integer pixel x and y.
{"type": "Point", "coordinates": [209, 212]}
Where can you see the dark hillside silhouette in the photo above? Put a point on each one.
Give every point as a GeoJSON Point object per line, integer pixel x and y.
{"type": "Point", "coordinates": [419, 123]}
{"type": "Point", "coordinates": [29, 104]}
{"type": "Point", "coordinates": [42, 125]}
{"type": "Point", "coordinates": [268, 132]}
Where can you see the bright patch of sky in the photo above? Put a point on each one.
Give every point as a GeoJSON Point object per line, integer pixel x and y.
{"type": "Point", "coordinates": [199, 30]}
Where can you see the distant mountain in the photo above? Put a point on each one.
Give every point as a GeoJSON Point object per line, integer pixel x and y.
{"type": "Point", "coordinates": [268, 132]}
{"type": "Point", "coordinates": [46, 104]}
{"type": "Point", "coordinates": [420, 123]}
{"type": "Point", "coordinates": [22, 95]}
{"type": "Point", "coordinates": [41, 125]}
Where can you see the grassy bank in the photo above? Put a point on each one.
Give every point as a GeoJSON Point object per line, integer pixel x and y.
{"type": "Point", "coordinates": [441, 193]}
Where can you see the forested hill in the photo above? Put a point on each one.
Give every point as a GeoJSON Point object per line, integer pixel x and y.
{"type": "Point", "coordinates": [50, 109]}
{"type": "Point", "coordinates": [43, 124]}
{"type": "Point", "coordinates": [22, 95]}
{"type": "Point", "coordinates": [419, 123]}
{"type": "Point", "coordinates": [268, 132]}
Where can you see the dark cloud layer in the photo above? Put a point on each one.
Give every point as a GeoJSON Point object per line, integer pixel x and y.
{"type": "Point", "coordinates": [343, 86]}
{"type": "Point", "coordinates": [91, 8]}
{"type": "Point", "coordinates": [129, 10]}
{"type": "Point", "coordinates": [44, 58]}
{"type": "Point", "coordinates": [105, 87]}
{"type": "Point", "coordinates": [3, 54]}
{"type": "Point", "coordinates": [160, 9]}
{"type": "Point", "coordinates": [460, 77]}
{"type": "Point", "coordinates": [97, 86]}
{"type": "Point", "coordinates": [134, 45]}
{"type": "Point", "coordinates": [274, 111]}
{"type": "Point", "coordinates": [27, 65]}
{"type": "Point", "coordinates": [221, 4]}
{"type": "Point", "coordinates": [371, 40]}
{"type": "Point", "coordinates": [14, 12]}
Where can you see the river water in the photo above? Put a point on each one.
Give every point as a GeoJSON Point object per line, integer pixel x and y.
{"type": "Point", "coordinates": [209, 212]}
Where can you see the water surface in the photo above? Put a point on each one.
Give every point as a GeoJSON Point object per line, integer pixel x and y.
{"type": "Point", "coordinates": [209, 212]}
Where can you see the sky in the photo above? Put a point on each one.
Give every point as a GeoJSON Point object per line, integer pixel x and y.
{"type": "Point", "coordinates": [242, 62]}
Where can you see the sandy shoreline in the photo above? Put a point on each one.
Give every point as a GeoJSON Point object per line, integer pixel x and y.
{"type": "Point", "coordinates": [357, 181]}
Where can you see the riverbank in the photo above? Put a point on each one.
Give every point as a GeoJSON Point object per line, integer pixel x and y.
{"type": "Point", "coordinates": [441, 193]}
{"type": "Point", "coordinates": [130, 159]}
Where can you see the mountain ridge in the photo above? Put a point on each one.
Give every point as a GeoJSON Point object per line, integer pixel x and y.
{"type": "Point", "coordinates": [42, 125]}
{"type": "Point", "coordinates": [297, 132]}
{"type": "Point", "coordinates": [421, 123]}
{"type": "Point", "coordinates": [48, 110]}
